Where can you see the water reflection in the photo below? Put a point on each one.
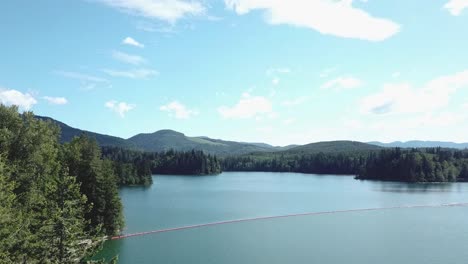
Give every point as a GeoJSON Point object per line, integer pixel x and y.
{"type": "Point", "coordinates": [398, 187]}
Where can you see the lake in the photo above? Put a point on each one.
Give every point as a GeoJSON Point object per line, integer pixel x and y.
{"type": "Point", "coordinates": [405, 235]}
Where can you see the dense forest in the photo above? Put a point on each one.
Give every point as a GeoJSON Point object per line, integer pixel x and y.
{"type": "Point", "coordinates": [56, 201]}
{"type": "Point", "coordinates": [409, 165]}
{"type": "Point", "coordinates": [320, 163]}
{"type": "Point", "coordinates": [417, 165]}
{"type": "Point", "coordinates": [136, 167]}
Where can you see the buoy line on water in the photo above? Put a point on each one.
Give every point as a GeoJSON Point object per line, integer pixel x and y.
{"type": "Point", "coordinates": [282, 216]}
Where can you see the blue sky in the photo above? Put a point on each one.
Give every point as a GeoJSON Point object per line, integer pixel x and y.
{"type": "Point", "coordinates": [281, 72]}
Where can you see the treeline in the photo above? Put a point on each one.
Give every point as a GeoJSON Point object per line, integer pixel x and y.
{"type": "Point", "coordinates": [417, 165]}
{"type": "Point", "coordinates": [409, 165]}
{"type": "Point", "coordinates": [320, 163]}
{"type": "Point", "coordinates": [56, 201]}
{"type": "Point", "coordinates": [131, 167]}
{"type": "Point", "coordinates": [136, 167]}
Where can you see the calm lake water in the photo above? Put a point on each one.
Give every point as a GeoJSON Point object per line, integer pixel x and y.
{"type": "Point", "coordinates": [408, 235]}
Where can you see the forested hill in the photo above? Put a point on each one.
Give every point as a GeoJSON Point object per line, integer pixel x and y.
{"type": "Point", "coordinates": [331, 157]}
{"type": "Point", "coordinates": [333, 147]}
{"type": "Point", "coordinates": [68, 133]}
{"type": "Point", "coordinates": [421, 144]}
{"type": "Point", "coordinates": [164, 140]}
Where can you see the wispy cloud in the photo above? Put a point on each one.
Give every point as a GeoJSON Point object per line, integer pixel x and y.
{"type": "Point", "coordinates": [404, 98]}
{"type": "Point", "coordinates": [121, 108]}
{"type": "Point", "coordinates": [342, 83]}
{"type": "Point", "coordinates": [160, 27]}
{"type": "Point", "coordinates": [326, 72]}
{"type": "Point", "coordinates": [132, 42]}
{"type": "Point", "coordinates": [274, 71]}
{"type": "Point", "coordinates": [142, 73]}
{"type": "Point", "coordinates": [296, 101]}
{"type": "Point", "coordinates": [456, 7]}
{"type": "Point", "coordinates": [167, 10]}
{"type": "Point", "coordinates": [275, 81]}
{"type": "Point", "coordinates": [24, 101]}
{"type": "Point", "coordinates": [248, 107]}
{"type": "Point", "coordinates": [128, 58]}
{"type": "Point", "coordinates": [88, 82]}
{"type": "Point", "coordinates": [55, 100]}
{"type": "Point", "coordinates": [396, 74]}
{"type": "Point", "coordinates": [337, 18]}
{"type": "Point", "coordinates": [178, 110]}
{"type": "Point", "coordinates": [289, 121]}
{"type": "Point", "coordinates": [81, 76]}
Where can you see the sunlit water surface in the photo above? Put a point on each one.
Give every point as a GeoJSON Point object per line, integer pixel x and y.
{"type": "Point", "coordinates": [407, 235]}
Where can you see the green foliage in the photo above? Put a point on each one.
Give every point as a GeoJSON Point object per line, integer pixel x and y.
{"type": "Point", "coordinates": [131, 167]}
{"type": "Point", "coordinates": [417, 165]}
{"type": "Point", "coordinates": [333, 147]}
{"type": "Point", "coordinates": [162, 141]}
{"type": "Point", "coordinates": [136, 167]}
{"type": "Point", "coordinates": [320, 163]}
{"type": "Point", "coordinates": [409, 165]}
{"type": "Point", "coordinates": [98, 183]}
{"type": "Point", "coordinates": [165, 140]}
{"type": "Point", "coordinates": [47, 214]}
{"type": "Point", "coordinates": [68, 133]}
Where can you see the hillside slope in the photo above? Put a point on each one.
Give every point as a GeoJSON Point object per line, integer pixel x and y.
{"type": "Point", "coordinates": [421, 144]}
{"type": "Point", "coordinates": [68, 133]}
{"type": "Point", "coordinates": [168, 139]}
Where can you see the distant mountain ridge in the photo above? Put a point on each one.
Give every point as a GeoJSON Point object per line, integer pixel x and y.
{"type": "Point", "coordinates": [68, 133]}
{"type": "Point", "coordinates": [164, 140]}
{"type": "Point", "coordinates": [334, 147]}
{"type": "Point", "coordinates": [421, 144]}
{"type": "Point", "coordinates": [167, 139]}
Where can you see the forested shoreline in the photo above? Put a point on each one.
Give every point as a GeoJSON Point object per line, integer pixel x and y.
{"type": "Point", "coordinates": [407, 165]}
{"type": "Point", "coordinates": [59, 201]}
{"type": "Point", "coordinates": [416, 165]}
{"type": "Point", "coordinates": [136, 167]}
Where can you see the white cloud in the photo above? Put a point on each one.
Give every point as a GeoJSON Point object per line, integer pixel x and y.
{"type": "Point", "coordinates": [455, 7]}
{"type": "Point", "coordinates": [289, 121]}
{"type": "Point", "coordinates": [161, 27]}
{"type": "Point", "coordinates": [81, 76]}
{"type": "Point", "coordinates": [179, 110]}
{"type": "Point", "coordinates": [13, 97]}
{"type": "Point", "coordinates": [272, 71]}
{"type": "Point", "coordinates": [275, 81]}
{"type": "Point", "coordinates": [121, 108]}
{"type": "Point", "coordinates": [265, 129]}
{"type": "Point", "coordinates": [167, 10]}
{"type": "Point", "coordinates": [396, 75]}
{"type": "Point", "coordinates": [275, 72]}
{"type": "Point", "coordinates": [132, 42]}
{"type": "Point", "coordinates": [247, 107]}
{"type": "Point", "coordinates": [337, 18]}
{"type": "Point", "coordinates": [341, 83]}
{"type": "Point", "coordinates": [326, 72]}
{"type": "Point", "coordinates": [296, 101]}
{"type": "Point", "coordinates": [142, 73]}
{"type": "Point", "coordinates": [127, 58]}
{"type": "Point", "coordinates": [404, 98]}
{"type": "Point", "coordinates": [88, 82]}
{"type": "Point", "coordinates": [56, 100]}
